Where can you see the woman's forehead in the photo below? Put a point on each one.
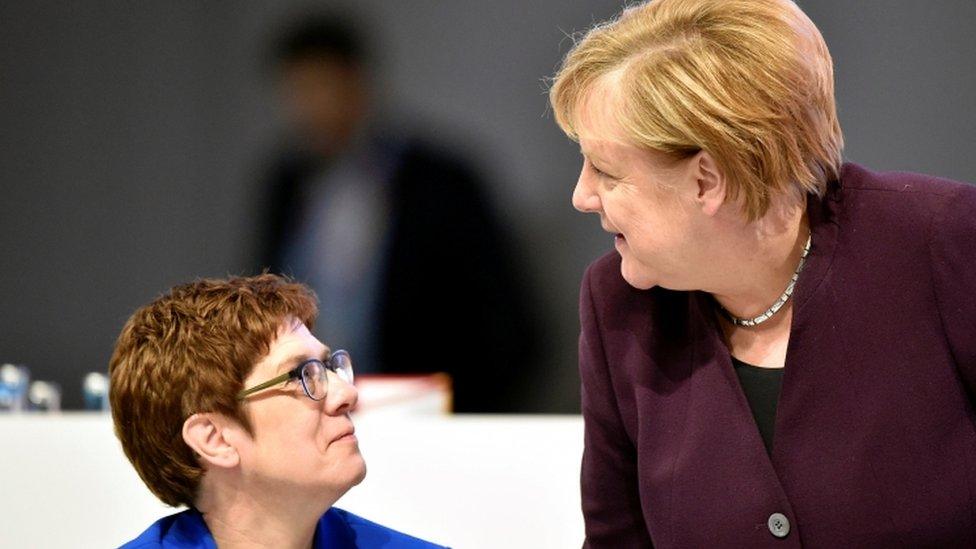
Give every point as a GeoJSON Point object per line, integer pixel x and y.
{"type": "Point", "coordinates": [290, 344]}
{"type": "Point", "coordinates": [597, 114]}
{"type": "Point", "coordinates": [608, 148]}
{"type": "Point", "coordinates": [300, 339]}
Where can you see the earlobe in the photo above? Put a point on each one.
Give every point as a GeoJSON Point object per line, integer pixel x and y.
{"type": "Point", "coordinates": [205, 434]}
{"type": "Point", "coordinates": [712, 185]}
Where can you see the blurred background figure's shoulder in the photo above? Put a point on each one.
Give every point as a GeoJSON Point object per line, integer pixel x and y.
{"type": "Point", "coordinates": [393, 228]}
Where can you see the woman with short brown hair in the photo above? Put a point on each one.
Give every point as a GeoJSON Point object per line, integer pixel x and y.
{"type": "Point", "coordinates": [224, 402]}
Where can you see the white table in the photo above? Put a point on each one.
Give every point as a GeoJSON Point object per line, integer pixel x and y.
{"type": "Point", "coordinates": [463, 481]}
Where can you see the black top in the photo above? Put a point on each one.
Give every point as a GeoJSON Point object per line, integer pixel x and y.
{"type": "Point", "coordinates": [761, 387]}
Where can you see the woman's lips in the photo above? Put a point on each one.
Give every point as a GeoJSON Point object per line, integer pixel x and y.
{"type": "Point", "coordinates": [348, 435]}
{"type": "Point", "coordinates": [619, 241]}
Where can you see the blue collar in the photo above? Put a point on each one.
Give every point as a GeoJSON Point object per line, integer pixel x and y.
{"type": "Point", "coordinates": [188, 530]}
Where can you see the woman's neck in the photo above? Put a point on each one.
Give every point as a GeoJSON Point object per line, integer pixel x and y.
{"type": "Point", "coordinates": [762, 262]}
{"type": "Point", "coordinates": [237, 519]}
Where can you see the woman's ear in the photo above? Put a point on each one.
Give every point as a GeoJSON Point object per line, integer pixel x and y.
{"type": "Point", "coordinates": [712, 185]}
{"type": "Point", "coordinates": [205, 435]}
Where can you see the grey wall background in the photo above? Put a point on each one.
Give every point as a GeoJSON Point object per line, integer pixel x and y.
{"type": "Point", "coordinates": [130, 136]}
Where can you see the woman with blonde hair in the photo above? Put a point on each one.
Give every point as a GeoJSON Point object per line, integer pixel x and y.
{"type": "Point", "coordinates": [780, 350]}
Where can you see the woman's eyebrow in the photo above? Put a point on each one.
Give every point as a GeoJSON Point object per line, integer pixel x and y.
{"type": "Point", "coordinates": [297, 358]}
{"type": "Point", "coordinates": [591, 155]}
{"type": "Point", "coordinates": [289, 363]}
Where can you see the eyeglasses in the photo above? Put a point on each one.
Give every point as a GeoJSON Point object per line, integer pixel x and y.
{"type": "Point", "coordinates": [313, 375]}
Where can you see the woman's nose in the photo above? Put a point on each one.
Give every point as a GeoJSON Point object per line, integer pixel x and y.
{"type": "Point", "coordinates": [341, 397]}
{"type": "Point", "coordinates": [584, 198]}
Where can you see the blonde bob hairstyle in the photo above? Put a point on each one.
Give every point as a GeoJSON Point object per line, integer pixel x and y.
{"type": "Point", "coordinates": [748, 81]}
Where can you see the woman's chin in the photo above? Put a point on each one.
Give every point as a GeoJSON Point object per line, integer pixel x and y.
{"type": "Point", "coordinates": [637, 277]}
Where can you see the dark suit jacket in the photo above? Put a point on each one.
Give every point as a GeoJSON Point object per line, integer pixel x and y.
{"type": "Point", "coordinates": [453, 298]}
{"type": "Point", "coordinates": [875, 440]}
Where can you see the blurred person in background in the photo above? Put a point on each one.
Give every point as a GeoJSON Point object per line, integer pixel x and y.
{"type": "Point", "coordinates": [224, 402]}
{"type": "Point", "coordinates": [780, 351]}
{"type": "Point", "coordinates": [396, 235]}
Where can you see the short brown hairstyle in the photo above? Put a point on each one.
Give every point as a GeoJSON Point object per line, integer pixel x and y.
{"type": "Point", "coordinates": [749, 81]}
{"type": "Point", "coordinates": [189, 351]}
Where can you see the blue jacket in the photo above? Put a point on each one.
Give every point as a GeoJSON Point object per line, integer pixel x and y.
{"type": "Point", "coordinates": [337, 529]}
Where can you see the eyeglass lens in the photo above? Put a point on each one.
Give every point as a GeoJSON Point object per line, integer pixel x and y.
{"type": "Point", "coordinates": [315, 379]}
{"type": "Point", "coordinates": [341, 364]}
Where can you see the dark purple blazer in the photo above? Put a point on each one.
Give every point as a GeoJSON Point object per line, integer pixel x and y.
{"type": "Point", "coordinates": [875, 437]}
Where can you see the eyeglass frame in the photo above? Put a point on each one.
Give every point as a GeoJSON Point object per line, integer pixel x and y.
{"type": "Point", "coordinates": [296, 373]}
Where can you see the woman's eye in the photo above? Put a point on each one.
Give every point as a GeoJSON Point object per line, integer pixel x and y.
{"type": "Point", "coordinates": [600, 173]}
{"type": "Point", "coordinates": [293, 385]}
{"type": "Point", "coordinates": [607, 180]}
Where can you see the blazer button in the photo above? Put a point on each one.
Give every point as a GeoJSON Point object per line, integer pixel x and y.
{"type": "Point", "coordinates": [779, 525]}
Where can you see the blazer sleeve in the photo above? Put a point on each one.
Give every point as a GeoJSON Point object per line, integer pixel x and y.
{"type": "Point", "coordinates": [608, 478]}
{"type": "Point", "coordinates": [953, 248]}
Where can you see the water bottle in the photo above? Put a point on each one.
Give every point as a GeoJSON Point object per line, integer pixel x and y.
{"type": "Point", "coordinates": [13, 387]}
{"type": "Point", "coordinates": [95, 387]}
{"type": "Point", "coordinates": [44, 396]}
